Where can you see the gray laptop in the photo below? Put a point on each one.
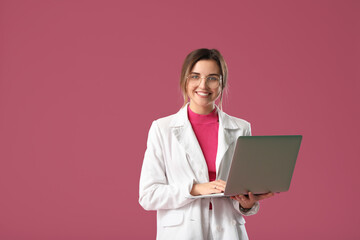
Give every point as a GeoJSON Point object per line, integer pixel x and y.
{"type": "Point", "coordinates": [261, 164]}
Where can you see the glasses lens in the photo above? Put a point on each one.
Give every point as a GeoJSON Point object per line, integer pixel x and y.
{"type": "Point", "coordinates": [212, 81]}
{"type": "Point", "coordinates": [194, 77]}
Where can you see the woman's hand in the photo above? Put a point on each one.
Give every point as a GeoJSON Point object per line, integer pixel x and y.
{"type": "Point", "coordinates": [217, 186]}
{"type": "Point", "coordinates": [248, 201]}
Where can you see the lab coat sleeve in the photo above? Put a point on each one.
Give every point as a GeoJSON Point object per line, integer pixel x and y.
{"type": "Point", "coordinates": [155, 192]}
{"type": "Point", "coordinates": [252, 211]}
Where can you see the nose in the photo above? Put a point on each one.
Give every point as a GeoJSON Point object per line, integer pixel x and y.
{"type": "Point", "coordinates": [202, 83]}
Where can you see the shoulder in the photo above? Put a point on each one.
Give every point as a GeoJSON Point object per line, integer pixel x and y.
{"type": "Point", "coordinates": [240, 122]}
{"type": "Point", "coordinates": [234, 122]}
{"type": "Point", "coordinates": [166, 123]}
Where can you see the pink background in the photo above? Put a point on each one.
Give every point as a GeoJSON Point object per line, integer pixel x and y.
{"type": "Point", "coordinates": [81, 82]}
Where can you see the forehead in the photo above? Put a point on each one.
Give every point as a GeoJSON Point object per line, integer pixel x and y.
{"type": "Point", "coordinates": [206, 67]}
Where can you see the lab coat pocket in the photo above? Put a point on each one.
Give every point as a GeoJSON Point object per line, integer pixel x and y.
{"type": "Point", "coordinates": [172, 219]}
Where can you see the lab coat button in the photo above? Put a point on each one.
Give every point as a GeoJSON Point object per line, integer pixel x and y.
{"type": "Point", "coordinates": [219, 228]}
{"type": "Point", "coordinates": [233, 222]}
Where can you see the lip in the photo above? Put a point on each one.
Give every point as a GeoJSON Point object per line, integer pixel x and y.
{"type": "Point", "coordinates": [202, 96]}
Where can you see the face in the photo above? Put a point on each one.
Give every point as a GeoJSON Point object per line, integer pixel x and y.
{"type": "Point", "coordinates": [203, 97]}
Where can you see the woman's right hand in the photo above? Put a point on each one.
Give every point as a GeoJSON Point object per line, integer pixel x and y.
{"type": "Point", "coordinates": [217, 186]}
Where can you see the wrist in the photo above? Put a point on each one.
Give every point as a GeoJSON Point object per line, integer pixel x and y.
{"type": "Point", "coordinates": [194, 191]}
{"type": "Point", "coordinates": [244, 209]}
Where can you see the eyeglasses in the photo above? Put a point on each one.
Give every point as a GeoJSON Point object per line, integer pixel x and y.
{"type": "Point", "coordinates": [212, 81]}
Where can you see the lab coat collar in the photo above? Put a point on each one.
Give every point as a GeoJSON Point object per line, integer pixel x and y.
{"type": "Point", "coordinates": [181, 119]}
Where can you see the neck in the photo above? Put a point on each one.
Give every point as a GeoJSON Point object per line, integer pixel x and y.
{"type": "Point", "coordinates": [201, 110]}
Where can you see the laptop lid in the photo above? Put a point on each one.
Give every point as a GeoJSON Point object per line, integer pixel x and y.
{"type": "Point", "coordinates": [262, 164]}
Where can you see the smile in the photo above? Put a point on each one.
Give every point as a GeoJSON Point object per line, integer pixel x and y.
{"type": "Point", "coordinates": [205, 94]}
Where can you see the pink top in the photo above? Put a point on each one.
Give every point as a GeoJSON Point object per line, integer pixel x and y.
{"type": "Point", "coordinates": [206, 128]}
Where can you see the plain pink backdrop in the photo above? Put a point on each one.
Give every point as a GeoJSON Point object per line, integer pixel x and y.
{"type": "Point", "coordinates": [81, 82]}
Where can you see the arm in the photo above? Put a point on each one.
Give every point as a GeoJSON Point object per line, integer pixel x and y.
{"type": "Point", "coordinates": [155, 192]}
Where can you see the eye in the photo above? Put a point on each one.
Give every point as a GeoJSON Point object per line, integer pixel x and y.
{"type": "Point", "coordinates": [213, 78]}
{"type": "Point", "coordinates": [195, 77]}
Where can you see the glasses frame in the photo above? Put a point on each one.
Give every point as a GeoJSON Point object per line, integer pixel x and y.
{"type": "Point", "coordinates": [206, 79]}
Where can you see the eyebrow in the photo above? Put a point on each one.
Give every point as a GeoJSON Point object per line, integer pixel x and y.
{"type": "Point", "coordinates": [211, 74]}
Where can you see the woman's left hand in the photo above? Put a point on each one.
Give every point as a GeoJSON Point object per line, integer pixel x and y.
{"type": "Point", "coordinates": [248, 201]}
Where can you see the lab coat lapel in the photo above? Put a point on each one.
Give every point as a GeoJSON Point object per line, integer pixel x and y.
{"type": "Point", "coordinates": [182, 130]}
{"type": "Point", "coordinates": [227, 135]}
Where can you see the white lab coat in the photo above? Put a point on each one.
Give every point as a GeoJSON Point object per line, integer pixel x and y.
{"type": "Point", "coordinates": [173, 161]}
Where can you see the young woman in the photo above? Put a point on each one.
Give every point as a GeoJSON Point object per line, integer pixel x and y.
{"type": "Point", "coordinates": [188, 154]}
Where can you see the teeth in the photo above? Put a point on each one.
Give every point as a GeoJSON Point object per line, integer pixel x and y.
{"type": "Point", "coordinates": [203, 94]}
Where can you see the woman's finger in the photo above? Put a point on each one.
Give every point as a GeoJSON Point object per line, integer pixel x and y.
{"type": "Point", "coordinates": [215, 190]}
{"type": "Point", "coordinates": [242, 198]}
{"type": "Point", "coordinates": [264, 196]}
{"type": "Point", "coordinates": [236, 198]}
{"type": "Point", "coordinates": [220, 188]}
{"type": "Point", "coordinates": [214, 187]}
{"type": "Point", "coordinates": [221, 182]}
{"type": "Point", "coordinates": [252, 197]}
